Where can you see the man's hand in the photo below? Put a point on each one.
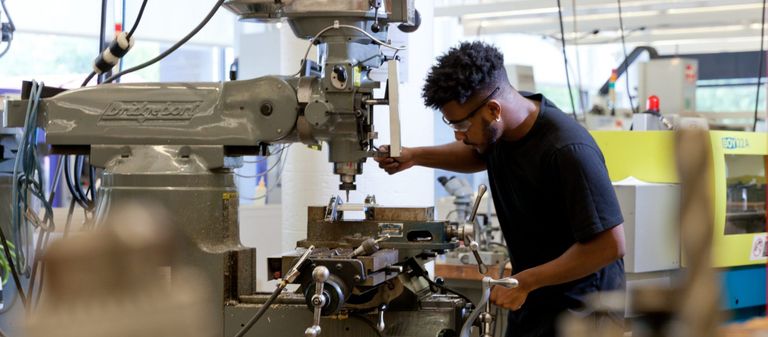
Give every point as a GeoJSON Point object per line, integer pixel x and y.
{"type": "Point", "coordinates": [508, 298]}
{"type": "Point", "coordinates": [512, 298]}
{"type": "Point", "coordinates": [393, 165]}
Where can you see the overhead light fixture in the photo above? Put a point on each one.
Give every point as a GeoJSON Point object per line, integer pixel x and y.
{"type": "Point", "coordinates": [725, 8]}
{"type": "Point", "coordinates": [705, 41]}
{"type": "Point", "coordinates": [697, 30]}
{"type": "Point", "coordinates": [515, 22]}
{"type": "Point", "coordinates": [548, 20]}
{"type": "Point", "coordinates": [534, 11]}
{"type": "Point", "coordinates": [605, 16]}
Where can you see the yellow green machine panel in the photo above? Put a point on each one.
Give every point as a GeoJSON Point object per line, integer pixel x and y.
{"type": "Point", "coordinates": [739, 184]}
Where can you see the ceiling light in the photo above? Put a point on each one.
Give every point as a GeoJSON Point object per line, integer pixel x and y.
{"type": "Point", "coordinates": [714, 9]}
{"type": "Point", "coordinates": [534, 11]}
{"type": "Point", "coordinates": [695, 30]}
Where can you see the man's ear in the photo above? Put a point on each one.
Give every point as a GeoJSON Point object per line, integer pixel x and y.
{"type": "Point", "coordinates": [494, 109]}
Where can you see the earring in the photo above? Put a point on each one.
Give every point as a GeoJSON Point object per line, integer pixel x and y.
{"type": "Point", "coordinates": [498, 119]}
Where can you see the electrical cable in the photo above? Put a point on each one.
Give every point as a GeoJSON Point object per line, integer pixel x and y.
{"type": "Point", "coordinates": [88, 79]}
{"type": "Point", "coordinates": [79, 162]}
{"type": "Point", "coordinates": [760, 67]}
{"type": "Point", "coordinates": [92, 181]}
{"type": "Point", "coordinates": [624, 48]}
{"type": "Point", "coordinates": [565, 59]}
{"type": "Point", "coordinates": [102, 35]}
{"type": "Point", "coordinates": [337, 26]}
{"type": "Point", "coordinates": [130, 34]}
{"type": "Point", "coordinates": [11, 26]}
{"type": "Point", "coordinates": [27, 182]}
{"type": "Point", "coordinates": [14, 274]}
{"type": "Point", "coordinates": [44, 234]}
{"type": "Point", "coordinates": [263, 158]}
{"type": "Point", "coordinates": [70, 185]}
{"type": "Point", "coordinates": [259, 175]}
{"type": "Point", "coordinates": [122, 27]}
{"type": "Point", "coordinates": [7, 14]}
{"type": "Point", "coordinates": [277, 181]}
{"type": "Point", "coordinates": [138, 18]}
{"type": "Point", "coordinates": [169, 50]}
{"type": "Point", "coordinates": [578, 56]}
{"type": "Point", "coordinates": [262, 310]}
{"type": "Point", "coordinates": [7, 47]}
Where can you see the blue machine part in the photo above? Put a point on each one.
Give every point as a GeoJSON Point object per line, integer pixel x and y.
{"type": "Point", "coordinates": [744, 291]}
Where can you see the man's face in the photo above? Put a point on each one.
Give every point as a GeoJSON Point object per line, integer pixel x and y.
{"type": "Point", "coordinates": [472, 124]}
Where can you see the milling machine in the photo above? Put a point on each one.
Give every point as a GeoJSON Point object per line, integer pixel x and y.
{"type": "Point", "coordinates": [177, 144]}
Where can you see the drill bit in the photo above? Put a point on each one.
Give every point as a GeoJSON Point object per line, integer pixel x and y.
{"type": "Point", "coordinates": [347, 195]}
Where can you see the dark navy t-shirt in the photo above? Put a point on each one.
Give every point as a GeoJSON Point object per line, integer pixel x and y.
{"type": "Point", "coordinates": [551, 190]}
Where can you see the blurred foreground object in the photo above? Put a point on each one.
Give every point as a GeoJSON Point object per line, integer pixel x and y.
{"type": "Point", "coordinates": [115, 281]}
{"type": "Point", "coordinates": [691, 307]}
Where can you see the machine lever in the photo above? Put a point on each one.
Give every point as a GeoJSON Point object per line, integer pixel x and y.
{"type": "Point", "coordinates": [319, 275]}
{"type": "Point", "coordinates": [380, 325]}
{"type": "Point", "coordinates": [482, 310]}
{"type": "Point", "coordinates": [481, 267]}
{"type": "Point", "coordinates": [480, 192]}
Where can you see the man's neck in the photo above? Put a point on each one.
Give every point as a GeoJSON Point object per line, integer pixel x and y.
{"type": "Point", "coordinates": [521, 117]}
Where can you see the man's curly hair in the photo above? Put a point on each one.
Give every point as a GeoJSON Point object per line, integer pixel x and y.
{"type": "Point", "coordinates": [462, 72]}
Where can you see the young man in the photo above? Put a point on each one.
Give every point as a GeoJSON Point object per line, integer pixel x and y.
{"type": "Point", "coordinates": [555, 203]}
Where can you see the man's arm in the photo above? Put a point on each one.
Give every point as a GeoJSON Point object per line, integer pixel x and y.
{"type": "Point", "coordinates": [456, 156]}
{"type": "Point", "coordinates": [580, 260]}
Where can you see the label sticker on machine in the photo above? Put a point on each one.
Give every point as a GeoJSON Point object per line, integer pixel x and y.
{"type": "Point", "coordinates": [394, 230]}
{"type": "Point", "coordinates": [759, 251]}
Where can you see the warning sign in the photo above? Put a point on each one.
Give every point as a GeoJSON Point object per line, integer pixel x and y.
{"type": "Point", "coordinates": [759, 251]}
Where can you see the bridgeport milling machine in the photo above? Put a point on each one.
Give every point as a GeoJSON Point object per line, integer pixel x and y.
{"type": "Point", "coordinates": [177, 144]}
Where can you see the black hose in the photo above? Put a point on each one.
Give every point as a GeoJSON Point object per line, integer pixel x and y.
{"type": "Point", "coordinates": [169, 50]}
{"type": "Point", "coordinates": [565, 59]}
{"type": "Point", "coordinates": [88, 79]}
{"type": "Point", "coordinates": [138, 18]}
{"type": "Point", "coordinates": [70, 184]}
{"type": "Point", "coordinates": [261, 311]}
{"type": "Point", "coordinates": [624, 48]}
{"type": "Point", "coordinates": [102, 33]}
{"type": "Point", "coordinates": [760, 67]}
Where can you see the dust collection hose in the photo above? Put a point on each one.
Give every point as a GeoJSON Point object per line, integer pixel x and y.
{"type": "Point", "coordinates": [289, 277]}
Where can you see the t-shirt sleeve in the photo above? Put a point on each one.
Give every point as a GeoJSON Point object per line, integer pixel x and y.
{"type": "Point", "coordinates": [587, 193]}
